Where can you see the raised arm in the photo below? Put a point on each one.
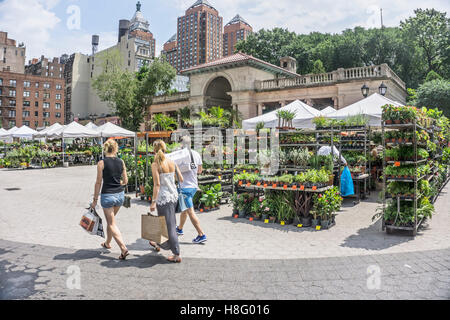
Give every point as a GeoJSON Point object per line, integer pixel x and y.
{"type": "Point", "coordinates": [98, 183]}
{"type": "Point", "coordinates": [180, 180]}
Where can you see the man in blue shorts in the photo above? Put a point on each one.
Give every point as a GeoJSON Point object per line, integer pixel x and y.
{"type": "Point", "coordinates": [189, 187]}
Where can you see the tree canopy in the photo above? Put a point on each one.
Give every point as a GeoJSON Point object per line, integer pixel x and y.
{"type": "Point", "coordinates": [419, 45]}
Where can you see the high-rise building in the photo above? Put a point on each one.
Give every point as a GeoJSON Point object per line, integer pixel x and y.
{"type": "Point", "coordinates": [12, 57]}
{"type": "Point", "coordinates": [136, 46]}
{"type": "Point", "coordinates": [199, 36]}
{"type": "Point", "coordinates": [235, 30]}
{"type": "Point", "coordinates": [45, 68]}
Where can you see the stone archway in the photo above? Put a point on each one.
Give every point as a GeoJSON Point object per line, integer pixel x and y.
{"type": "Point", "coordinates": [216, 93]}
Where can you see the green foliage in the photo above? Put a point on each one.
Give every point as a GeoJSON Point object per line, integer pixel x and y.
{"type": "Point", "coordinates": [318, 67]}
{"type": "Point", "coordinates": [435, 94]}
{"type": "Point", "coordinates": [161, 122]}
{"type": "Point", "coordinates": [432, 75]}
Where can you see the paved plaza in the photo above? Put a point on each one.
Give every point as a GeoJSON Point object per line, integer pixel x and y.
{"type": "Point", "coordinates": [42, 245]}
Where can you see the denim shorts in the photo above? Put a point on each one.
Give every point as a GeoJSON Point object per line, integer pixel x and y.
{"type": "Point", "coordinates": [109, 200]}
{"type": "Point", "coordinates": [188, 194]}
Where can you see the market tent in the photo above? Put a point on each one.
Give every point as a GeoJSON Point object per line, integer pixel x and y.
{"type": "Point", "coordinates": [24, 132]}
{"type": "Point", "coordinates": [91, 125]}
{"type": "Point", "coordinates": [43, 133]}
{"type": "Point", "coordinates": [370, 107]}
{"type": "Point", "coordinates": [303, 118]}
{"type": "Point", "coordinates": [7, 136]}
{"type": "Point", "coordinates": [328, 110]}
{"type": "Point", "coordinates": [73, 130]}
{"type": "Point", "coordinates": [111, 130]}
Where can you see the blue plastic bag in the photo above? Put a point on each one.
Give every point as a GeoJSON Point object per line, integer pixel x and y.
{"type": "Point", "coordinates": [346, 183]}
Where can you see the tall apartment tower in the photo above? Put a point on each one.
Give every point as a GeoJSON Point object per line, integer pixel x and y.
{"type": "Point", "coordinates": [199, 36]}
{"type": "Point", "coordinates": [235, 30]}
{"type": "Point", "coordinates": [12, 57]}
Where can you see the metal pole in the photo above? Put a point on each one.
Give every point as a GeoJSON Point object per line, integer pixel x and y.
{"type": "Point", "coordinates": [135, 163]}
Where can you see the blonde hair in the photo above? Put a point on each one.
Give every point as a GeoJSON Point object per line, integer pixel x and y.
{"type": "Point", "coordinates": [159, 147]}
{"type": "Point", "coordinates": [111, 146]}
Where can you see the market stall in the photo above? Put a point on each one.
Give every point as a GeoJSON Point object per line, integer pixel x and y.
{"type": "Point", "coordinates": [24, 132]}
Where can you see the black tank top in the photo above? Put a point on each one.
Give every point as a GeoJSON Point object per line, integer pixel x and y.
{"type": "Point", "coordinates": [112, 173]}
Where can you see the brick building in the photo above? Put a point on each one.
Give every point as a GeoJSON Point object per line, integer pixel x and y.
{"type": "Point", "coordinates": [30, 100]}
{"type": "Point", "coordinates": [235, 30]}
{"type": "Point", "coordinates": [198, 39]}
{"type": "Point", "coordinates": [45, 68]}
{"type": "Point", "coordinates": [12, 57]}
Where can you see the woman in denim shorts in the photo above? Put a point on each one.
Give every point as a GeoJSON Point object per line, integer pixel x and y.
{"type": "Point", "coordinates": [111, 178]}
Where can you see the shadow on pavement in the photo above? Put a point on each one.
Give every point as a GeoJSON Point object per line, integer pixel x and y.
{"type": "Point", "coordinates": [372, 238]}
{"type": "Point", "coordinates": [273, 226]}
{"type": "Point", "coordinates": [105, 259]}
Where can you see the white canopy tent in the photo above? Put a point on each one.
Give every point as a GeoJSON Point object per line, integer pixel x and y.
{"type": "Point", "coordinates": [111, 130]}
{"type": "Point", "coordinates": [7, 136]}
{"type": "Point", "coordinates": [43, 133]}
{"type": "Point", "coordinates": [328, 110]}
{"type": "Point", "coordinates": [303, 118]}
{"type": "Point", "coordinates": [91, 125]}
{"type": "Point", "coordinates": [73, 130]}
{"type": "Point", "coordinates": [24, 132]}
{"type": "Point", "coordinates": [370, 107]}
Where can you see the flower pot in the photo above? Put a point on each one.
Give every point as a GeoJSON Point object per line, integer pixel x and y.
{"type": "Point", "coordinates": [264, 216]}
{"type": "Point", "coordinates": [325, 224]}
{"type": "Point", "coordinates": [242, 213]}
{"type": "Point", "coordinates": [306, 221]}
{"type": "Point", "coordinates": [315, 222]}
{"type": "Point", "coordinates": [272, 219]}
{"type": "Point", "coordinates": [398, 121]}
{"type": "Point", "coordinates": [388, 121]}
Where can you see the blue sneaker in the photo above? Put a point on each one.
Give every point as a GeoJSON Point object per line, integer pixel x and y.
{"type": "Point", "coordinates": [199, 239]}
{"type": "Point", "coordinates": [180, 232]}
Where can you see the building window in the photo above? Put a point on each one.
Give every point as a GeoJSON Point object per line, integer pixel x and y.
{"type": "Point", "coordinates": [36, 124]}
{"type": "Point", "coordinates": [37, 85]}
{"type": "Point", "coordinates": [26, 103]}
{"type": "Point", "coordinates": [26, 94]}
{"type": "Point", "coordinates": [25, 114]}
{"type": "Point", "coordinates": [46, 114]}
{"type": "Point", "coordinates": [58, 96]}
{"type": "Point", "coordinates": [46, 105]}
{"type": "Point", "coordinates": [36, 94]}
{"type": "Point", "coordinates": [36, 113]}
{"type": "Point", "coordinates": [12, 93]}
{"type": "Point", "coordinates": [27, 123]}
{"type": "Point", "coordinates": [1, 81]}
{"type": "Point", "coordinates": [46, 85]}
{"type": "Point", "coordinates": [12, 83]}
{"type": "Point", "coordinates": [46, 95]}
{"type": "Point", "coordinates": [26, 84]}
{"type": "Point", "coordinates": [58, 115]}
{"type": "Point", "coordinates": [58, 87]}
{"type": "Point", "coordinates": [58, 106]}
{"type": "Point", "coordinates": [36, 104]}
{"type": "Point", "coordinates": [12, 103]}
{"type": "Point", "coordinates": [12, 113]}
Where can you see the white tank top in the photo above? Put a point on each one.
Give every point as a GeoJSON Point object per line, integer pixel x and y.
{"type": "Point", "coordinates": [168, 190]}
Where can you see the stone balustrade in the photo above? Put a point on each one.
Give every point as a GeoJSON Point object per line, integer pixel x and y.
{"type": "Point", "coordinates": [382, 71]}
{"type": "Point", "coordinates": [181, 96]}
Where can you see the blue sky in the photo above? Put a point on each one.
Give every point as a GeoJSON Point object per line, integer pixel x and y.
{"type": "Point", "coordinates": [48, 27]}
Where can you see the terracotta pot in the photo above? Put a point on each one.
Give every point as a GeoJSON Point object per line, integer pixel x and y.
{"type": "Point", "coordinates": [388, 121]}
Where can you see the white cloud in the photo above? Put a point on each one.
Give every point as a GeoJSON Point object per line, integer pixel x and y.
{"type": "Point", "coordinates": [29, 21]}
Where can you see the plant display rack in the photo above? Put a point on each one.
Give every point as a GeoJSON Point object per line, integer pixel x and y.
{"type": "Point", "coordinates": [402, 201]}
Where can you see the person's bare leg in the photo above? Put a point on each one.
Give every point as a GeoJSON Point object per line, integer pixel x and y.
{"type": "Point", "coordinates": [183, 218]}
{"type": "Point", "coordinates": [108, 233]}
{"type": "Point", "coordinates": [195, 221]}
{"type": "Point", "coordinates": [112, 228]}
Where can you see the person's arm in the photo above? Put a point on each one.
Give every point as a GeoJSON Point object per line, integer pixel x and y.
{"type": "Point", "coordinates": [200, 164]}
{"type": "Point", "coordinates": [156, 186]}
{"type": "Point", "coordinates": [179, 175]}
{"type": "Point", "coordinates": [124, 175]}
{"type": "Point", "coordinates": [98, 183]}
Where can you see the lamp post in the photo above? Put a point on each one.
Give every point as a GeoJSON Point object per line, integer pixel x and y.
{"type": "Point", "coordinates": [365, 90]}
{"type": "Point", "coordinates": [382, 89]}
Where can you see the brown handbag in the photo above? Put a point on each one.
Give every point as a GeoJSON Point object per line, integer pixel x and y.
{"type": "Point", "coordinates": [154, 228]}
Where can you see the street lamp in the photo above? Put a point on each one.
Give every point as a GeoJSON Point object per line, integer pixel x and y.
{"type": "Point", "coordinates": [382, 89]}
{"type": "Point", "coordinates": [365, 90]}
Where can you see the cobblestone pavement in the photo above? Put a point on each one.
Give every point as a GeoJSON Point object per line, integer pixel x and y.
{"type": "Point", "coordinates": [47, 209]}
{"type": "Point", "coordinates": [42, 246]}
{"type": "Point", "coordinates": [40, 272]}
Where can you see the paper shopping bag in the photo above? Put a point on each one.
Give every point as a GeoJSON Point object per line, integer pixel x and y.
{"type": "Point", "coordinates": [154, 228]}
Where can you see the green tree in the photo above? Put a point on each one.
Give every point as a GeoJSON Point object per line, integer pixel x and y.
{"type": "Point", "coordinates": [130, 94]}
{"type": "Point", "coordinates": [432, 75]}
{"type": "Point", "coordinates": [435, 94]}
{"type": "Point", "coordinates": [429, 30]}
{"type": "Point", "coordinates": [318, 67]}
{"type": "Point", "coordinates": [411, 99]}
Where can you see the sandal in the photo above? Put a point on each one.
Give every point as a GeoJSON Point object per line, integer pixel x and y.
{"type": "Point", "coordinates": [156, 247]}
{"type": "Point", "coordinates": [104, 246]}
{"type": "Point", "coordinates": [123, 256]}
{"type": "Point", "coordinates": [174, 259]}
